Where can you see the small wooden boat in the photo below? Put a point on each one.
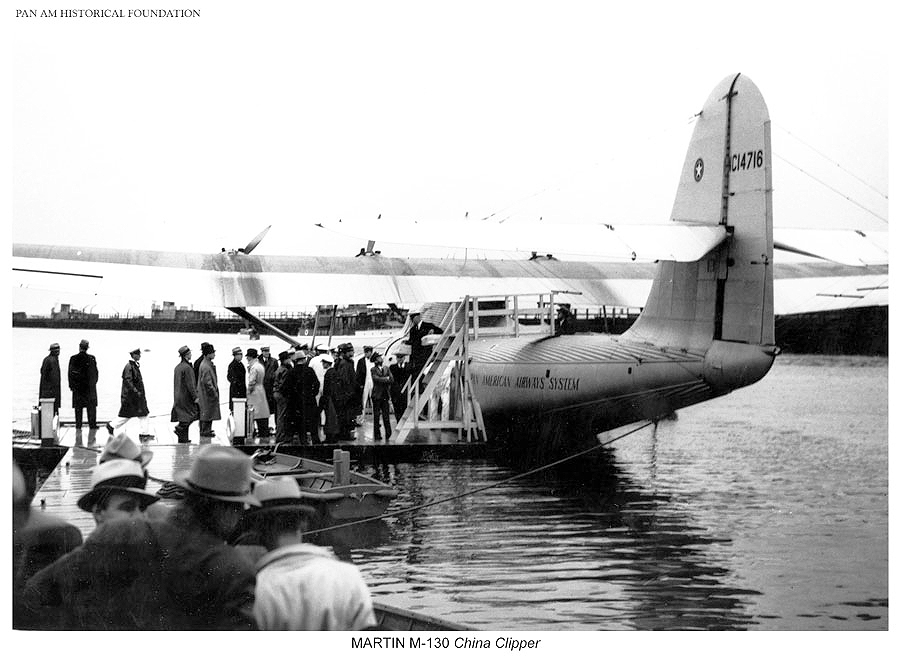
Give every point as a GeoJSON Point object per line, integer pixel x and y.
{"type": "Point", "coordinates": [396, 619]}
{"type": "Point", "coordinates": [336, 492]}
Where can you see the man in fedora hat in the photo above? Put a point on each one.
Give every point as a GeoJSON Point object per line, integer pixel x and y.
{"type": "Point", "coordinates": [300, 388]}
{"type": "Point", "coordinates": [122, 447]}
{"type": "Point", "coordinates": [237, 377]}
{"type": "Point", "coordinates": [49, 386]}
{"type": "Point", "coordinates": [133, 398]}
{"type": "Point", "coordinates": [83, 377]}
{"type": "Point", "coordinates": [73, 592]}
{"type": "Point", "coordinates": [117, 492]}
{"type": "Point", "coordinates": [345, 393]}
{"type": "Point", "coordinates": [172, 574]}
{"type": "Point", "coordinates": [284, 359]}
{"type": "Point", "coordinates": [185, 409]}
{"type": "Point", "coordinates": [208, 392]}
{"type": "Point", "coordinates": [300, 586]}
{"type": "Point", "coordinates": [382, 379]}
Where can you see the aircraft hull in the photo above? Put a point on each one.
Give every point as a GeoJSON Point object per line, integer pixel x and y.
{"type": "Point", "coordinates": [557, 391]}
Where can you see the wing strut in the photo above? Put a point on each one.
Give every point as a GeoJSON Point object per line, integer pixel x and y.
{"type": "Point", "coordinates": [274, 330]}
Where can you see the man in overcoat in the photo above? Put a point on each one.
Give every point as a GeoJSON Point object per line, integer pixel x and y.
{"type": "Point", "coordinates": [280, 398]}
{"type": "Point", "coordinates": [50, 378]}
{"type": "Point", "coordinates": [300, 388]}
{"type": "Point", "coordinates": [185, 409]}
{"type": "Point", "coordinates": [83, 375]}
{"type": "Point", "coordinates": [237, 377]}
{"type": "Point", "coordinates": [345, 394]}
{"type": "Point", "coordinates": [133, 398]}
{"type": "Point", "coordinates": [208, 393]}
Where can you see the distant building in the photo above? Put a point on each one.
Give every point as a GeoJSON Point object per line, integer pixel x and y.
{"type": "Point", "coordinates": [66, 312]}
{"type": "Point", "coordinates": [168, 311]}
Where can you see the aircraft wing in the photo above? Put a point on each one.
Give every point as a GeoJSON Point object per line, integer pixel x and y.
{"type": "Point", "coordinates": [255, 281]}
{"type": "Point", "coordinates": [679, 242]}
{"type": "Point", "coordinates": [851, 247]}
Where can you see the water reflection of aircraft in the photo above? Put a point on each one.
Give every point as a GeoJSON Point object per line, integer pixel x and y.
{"type": "Point", "coordinates": [707, 325]}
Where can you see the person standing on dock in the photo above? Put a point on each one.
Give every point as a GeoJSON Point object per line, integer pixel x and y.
{"type": "Point", "coordinates": [204, 347]}
{"type": "Point", "coordinates": [271, 365]}
{"type": "Point", "coordinates": [185, 409]}
{"type": "Point", "coordinates": [327, 406]}
{"type": "Point", "coordinates": [345, 394]}
{"type": "Point", "coordinates": [237, 378]}
{"type": "Point", "coordinates": [256, 393]}
{"type": "Point", "coordinates": [300, 388]}
{"type": "Point", "coordinates": [83, 376]}
{"type": "Point", "coordinates": [280, 398]}
{"type": "Point", "coordinates": [208, 393]}
{"type": "Point", "coordinates": [300, 586]}
{"type": "Point", "coordinates": [133, 399]}
{"type": "Point", "coordinates": [381, 390]}
{"type": "Point", "coordinates": [364, 377]}
{"type": "Point", "coordinates": [400, 372]}
{"type": "Point", "coordinates": [50, 379]}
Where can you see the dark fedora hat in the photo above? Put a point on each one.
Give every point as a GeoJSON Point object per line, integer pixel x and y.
{"type": "Point", "coordinates": [219, 472]}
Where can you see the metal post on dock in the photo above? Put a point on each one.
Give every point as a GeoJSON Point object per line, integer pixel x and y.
{"type": "Point", "coordinates": [48, 434]}
{"type": "Point", "coordinates": [239, 413]}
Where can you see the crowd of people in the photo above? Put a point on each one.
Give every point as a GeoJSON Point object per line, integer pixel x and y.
{"type": "Point", "coordinates": [148, 566]}
{"type": "Point", "coordinates": [313, 395]}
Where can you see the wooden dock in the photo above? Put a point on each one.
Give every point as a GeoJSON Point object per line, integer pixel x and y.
{"type": "Point", "coordinates": [59, 493]}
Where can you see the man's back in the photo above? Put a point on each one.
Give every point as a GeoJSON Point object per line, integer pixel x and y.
{"type": "Point", "coordinates": [148, 575]}
{"type": "Point", "coordinates": [304, 587]}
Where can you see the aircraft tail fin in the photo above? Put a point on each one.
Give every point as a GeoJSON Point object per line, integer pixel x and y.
{"type": "Point", "coordinates": [726, 180]}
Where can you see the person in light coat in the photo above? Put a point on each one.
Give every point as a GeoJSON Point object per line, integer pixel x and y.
{"type": "Point", "coordinates": [256, 393]}
{"type": "Point", "coordinates": [300, 586]}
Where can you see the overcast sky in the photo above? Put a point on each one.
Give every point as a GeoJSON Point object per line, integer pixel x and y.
{"type": "Point", "coordinates": [194, 134]}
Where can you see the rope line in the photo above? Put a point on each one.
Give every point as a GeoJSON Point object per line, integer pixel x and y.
{"type": "Point", "coordinates": [453, 497]}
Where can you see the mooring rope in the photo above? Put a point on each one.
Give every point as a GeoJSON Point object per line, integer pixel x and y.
{"type": "Point", "coordinates": [453, 497]}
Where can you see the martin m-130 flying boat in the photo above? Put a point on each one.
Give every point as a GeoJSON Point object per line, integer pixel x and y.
{"type": "Point", "coordinates": [706, 282]}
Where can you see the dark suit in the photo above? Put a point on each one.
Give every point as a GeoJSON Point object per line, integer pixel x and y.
{"type": "Point", "coordinates": [419, 354]}
{"type": "Point", "coordinates": [83, 375]}
{"type": "Point", "coordinates": [237, 382]}
{"type": "Point", "coordinates": [381, 390]}
{"type": "Point", "coordinates": [50, 380]}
